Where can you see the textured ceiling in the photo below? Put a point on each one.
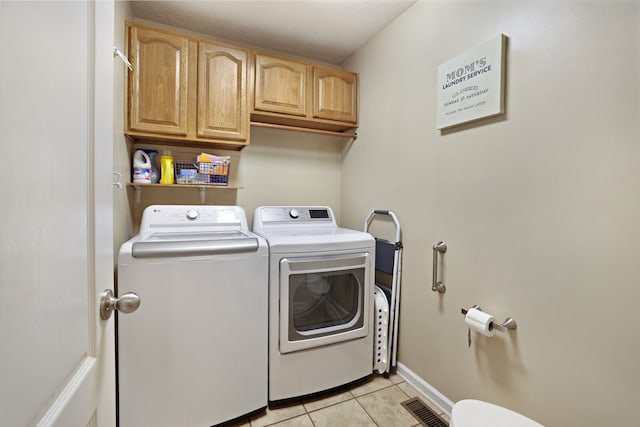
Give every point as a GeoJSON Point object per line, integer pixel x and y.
{"type": "Point", "coordinates": [324, 30]}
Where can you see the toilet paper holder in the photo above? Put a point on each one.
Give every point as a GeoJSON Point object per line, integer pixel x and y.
{"type": "Point", "coordinates": [508, 324]}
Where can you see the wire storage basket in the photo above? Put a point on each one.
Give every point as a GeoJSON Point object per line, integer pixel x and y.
{"type": "Point", "coordinates": [202, 173]}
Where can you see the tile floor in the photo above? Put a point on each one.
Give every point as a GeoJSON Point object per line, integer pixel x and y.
{"type": "Point", "coordinates": [374, 403]}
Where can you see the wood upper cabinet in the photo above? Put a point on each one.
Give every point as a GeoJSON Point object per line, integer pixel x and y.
{"type": "Point", "coordinates": [159, 81]}
{"type": "Point", "coordinates": [222, 92]}
{"type": "Point", "coordinates": [187, 90]}
{"type": "Point", "coordinates": [295, 93]}
{"type": "Point", "coordinates": [335, 94]}
{"type": "Point", "coordinates": [280, 85]}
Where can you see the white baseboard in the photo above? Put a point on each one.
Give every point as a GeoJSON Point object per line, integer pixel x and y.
{"type": "Point", "coordinates": [429, 391]}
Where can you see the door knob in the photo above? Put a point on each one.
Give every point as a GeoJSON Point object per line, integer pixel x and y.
{"type": "Point", "coordinates": [127, 303]}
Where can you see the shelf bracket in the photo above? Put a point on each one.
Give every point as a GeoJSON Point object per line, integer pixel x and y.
{"type": "Point", "coordinates": [202, 195]}
{"type": "Point", "coordinates": [138, 190]}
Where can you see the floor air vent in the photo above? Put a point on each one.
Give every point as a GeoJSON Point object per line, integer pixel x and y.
{"type": "Point", "coordinates": [422, 413]}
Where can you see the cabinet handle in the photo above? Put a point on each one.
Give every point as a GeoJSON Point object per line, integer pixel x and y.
{"type": "Point", "coordinates": [118, 52]}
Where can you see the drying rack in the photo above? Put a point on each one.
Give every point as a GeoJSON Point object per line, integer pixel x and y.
{"type": "Point", "coordinates": [386, 296]}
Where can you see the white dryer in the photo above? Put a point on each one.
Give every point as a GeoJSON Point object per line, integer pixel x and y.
{"type": "Point", "coordinates": [320, 301]}
{"type": "Point", "coordinates": [195, 352]}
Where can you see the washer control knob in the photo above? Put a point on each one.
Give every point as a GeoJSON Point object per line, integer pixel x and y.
{"type": "Point", "coordinates": [293, 213]}
{"type": "Point", "coordinates": [192, 214]}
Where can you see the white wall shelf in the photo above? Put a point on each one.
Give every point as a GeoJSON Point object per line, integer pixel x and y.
{"type": "Point", "coordinates": [202, 188]}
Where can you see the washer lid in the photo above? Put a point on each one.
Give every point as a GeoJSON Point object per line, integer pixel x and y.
{"type": "Point", "coordinates": [476, 413]}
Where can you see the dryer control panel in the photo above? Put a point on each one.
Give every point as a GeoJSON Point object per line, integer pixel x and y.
{"type": "Point", "coordinates": [294, 214]}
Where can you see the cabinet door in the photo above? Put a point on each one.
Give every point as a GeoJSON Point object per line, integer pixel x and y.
{"type": "Point", "coordinates": [280, 86]}
{"type": "Point", "coordinates": [222, 92]}
{"type": "Point", "coordinates": [335, 95]}
{"type": "Point", "coordinates": [158, 82]}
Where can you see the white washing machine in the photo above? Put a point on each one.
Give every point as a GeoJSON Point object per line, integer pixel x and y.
{"type": "Point", "coordinates": [320, 301]}
{"type": "Point", "coordinates": [195, 352]}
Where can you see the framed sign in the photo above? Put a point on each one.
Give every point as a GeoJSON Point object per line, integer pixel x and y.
{"type": "Point", "coordinates": [471, 85]}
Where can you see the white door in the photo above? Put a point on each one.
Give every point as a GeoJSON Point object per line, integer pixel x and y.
{"type": "Point", "coordinates": [56, 134]}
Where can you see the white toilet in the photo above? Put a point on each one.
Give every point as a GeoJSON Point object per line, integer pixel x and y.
{"type": "Point", "coordinates": [475, 413]}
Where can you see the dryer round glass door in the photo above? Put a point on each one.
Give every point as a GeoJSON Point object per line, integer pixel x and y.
{"type": "Point", "coordinates": [322, 300]}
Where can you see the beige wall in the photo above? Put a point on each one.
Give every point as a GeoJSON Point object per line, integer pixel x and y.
{"type": "Point", "coordinates": [540, 209]}
{"type": "Point", "coordinates": [290, 168]}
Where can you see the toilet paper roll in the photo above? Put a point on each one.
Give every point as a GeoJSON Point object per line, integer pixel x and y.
{"type": "Point", "coordinates": [480, 322]}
